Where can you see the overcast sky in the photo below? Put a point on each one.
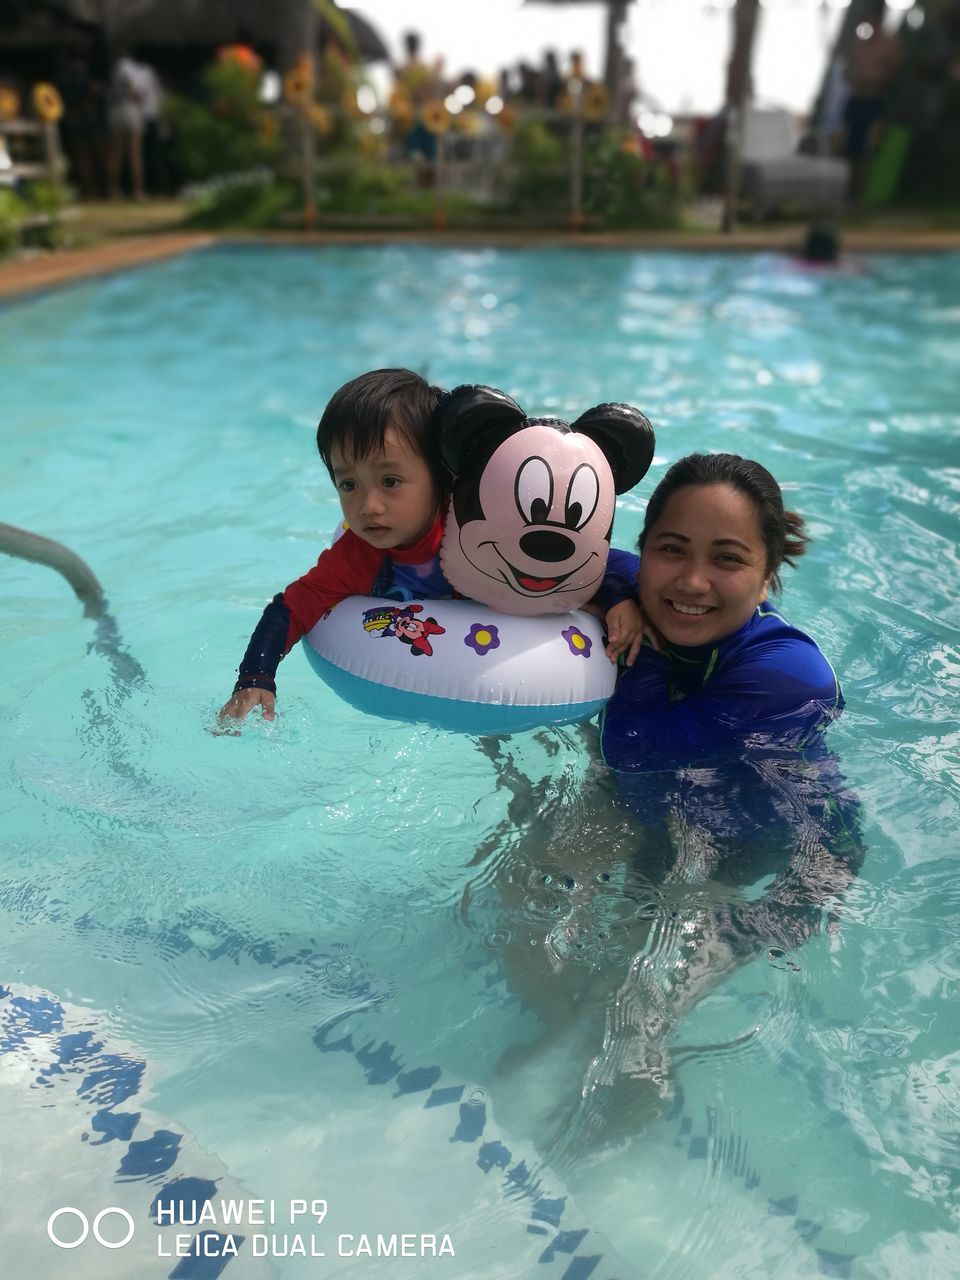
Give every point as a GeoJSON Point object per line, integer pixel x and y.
{"type": "Point", "coordinates": [679, 48]}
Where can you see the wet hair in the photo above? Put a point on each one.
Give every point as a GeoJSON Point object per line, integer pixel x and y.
{"type": "Point", "coordinates": [782, 531]}
{"type": "Point", "coordinates": [358, 416]}
{"type": "Point", "coordinates": [821, 244]}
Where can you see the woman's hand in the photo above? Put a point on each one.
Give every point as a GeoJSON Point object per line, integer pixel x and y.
{"type": "Point", "coordinates": [626, 626]}
{"type": "Point", "coordinates": [242, 702]}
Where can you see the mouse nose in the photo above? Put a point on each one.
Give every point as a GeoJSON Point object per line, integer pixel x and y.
{"type": "Point", "coordinates": [547, 545]}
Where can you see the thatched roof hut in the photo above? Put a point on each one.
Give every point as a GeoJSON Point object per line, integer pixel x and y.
{"type": "Point", "coordinates": [269, 24]}
{"type": "Point", "coordinates": [176, 36]}
{"type": "Point", "coordinates": [182, 22]}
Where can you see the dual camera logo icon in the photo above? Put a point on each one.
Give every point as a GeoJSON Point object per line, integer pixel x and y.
{"type": "Point", "coordinates": [67, 1236]}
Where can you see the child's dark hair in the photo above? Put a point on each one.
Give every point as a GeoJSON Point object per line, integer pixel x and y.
{"type": "Point", "coordinates": [782, 531]}
{"type": "Point", "coordinates": [358, 416]}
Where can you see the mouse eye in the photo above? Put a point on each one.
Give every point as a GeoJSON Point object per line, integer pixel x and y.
{"type": "Point", "coordinates": [534, 490]}
{"type": "Point", "coordinates": [582, 497]}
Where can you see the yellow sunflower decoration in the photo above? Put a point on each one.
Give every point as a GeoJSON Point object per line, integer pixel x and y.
{"type": "Point", "coordinates": [435, 116]}
{"type": "Point", "coordinates": [9, 103]}
{"type": "Point", "coordinates": [401, 109]}
{"type": "Point", "coordinates": [320, 117]}
{"type": "Point", "coordinates": [371, 145]}
{"type": "Point", "coordinates": [298, 84]}
{"type": "Point", "coordinates": [469, 124]}
{"type": "Point", "coordinates": [507, 118]}
{"type": "Point", "coordinates": [47, 102]}
{"type": "Point", "coordinates": [485, 88]}
{"type": "Point", "coordinates": [596, 102]}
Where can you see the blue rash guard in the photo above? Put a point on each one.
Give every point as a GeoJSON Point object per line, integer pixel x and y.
{"type": "Point", "coordinates": [767, 684]}
{"type": "Point", "coordinates": [719, 750]}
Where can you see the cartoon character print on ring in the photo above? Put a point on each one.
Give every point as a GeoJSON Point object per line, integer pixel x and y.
{"type": "Point", "coordinates": [525, 544]}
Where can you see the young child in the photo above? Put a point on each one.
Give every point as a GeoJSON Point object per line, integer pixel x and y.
{"type": "Point", "coordinates": [377, 442]}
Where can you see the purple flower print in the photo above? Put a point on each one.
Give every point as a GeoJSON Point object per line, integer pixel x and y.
{"type": "Point", "coordinates": [482, 638]}
{"type": "Point", "coordinates": [577, 642]}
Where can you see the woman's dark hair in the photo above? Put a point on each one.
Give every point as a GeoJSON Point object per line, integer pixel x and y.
{"type": "Point", "coordinates": [358, 416]}
{"type": "Point", "coordinates": [782, 531]}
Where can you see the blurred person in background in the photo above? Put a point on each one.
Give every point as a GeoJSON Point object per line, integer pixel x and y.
{"type": "Point", "coordinates": [155, 137]}
{"type": "Point", "coordinates": [125, 156]}
{"type": "Point", "coordinates": [577, 68]}
{"type": "Point", "coordinates": [416, 78]}
{"type": "Point", "coordinates": [551, 80]}
{"type": "Point", "coordinates": [419, 83]}
{"type": "Point", "coordinates": [871, 63]}
{"type": "Point", "coordinates": [83, 125]}
{"type": "Point", "coordinates": [528, 92]}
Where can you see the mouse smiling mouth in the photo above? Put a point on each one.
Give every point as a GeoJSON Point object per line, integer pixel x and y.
{"type": "Point", "coordinates": [532, 585]}
{"type": "Point", "coordinates": [537, 584]}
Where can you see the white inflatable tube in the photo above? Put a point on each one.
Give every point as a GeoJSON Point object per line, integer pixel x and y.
{"type": "Point", "coordinates": [458, 665]}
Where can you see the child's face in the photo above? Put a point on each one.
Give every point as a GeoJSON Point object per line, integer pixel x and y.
{"type": "Point", "coordinates": [388, 498]}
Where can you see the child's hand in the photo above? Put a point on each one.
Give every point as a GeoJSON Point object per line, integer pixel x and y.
{"type": "Point", "coordinates": [626, 626]}
{"type": "Point", "coordinates": [242, 701]}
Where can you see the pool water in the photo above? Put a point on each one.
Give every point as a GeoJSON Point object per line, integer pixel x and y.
{"type": "Point", "coordinates": [294, 963]}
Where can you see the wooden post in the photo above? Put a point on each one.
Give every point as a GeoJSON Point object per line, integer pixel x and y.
{"type": "Point", "coordinates": [308, 142]}
{"type": "Point", "coordinates": [739, 92]}
{"type": "Point", "coordinates": [439, 178]}
{"type": "Point", "coordinates": [50, 150]}
{"type": "Point", "coordinates": [576, 154]}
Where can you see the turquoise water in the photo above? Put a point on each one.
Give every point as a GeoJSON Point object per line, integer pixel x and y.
{"type": "Point", "coordinates": [209, 905]}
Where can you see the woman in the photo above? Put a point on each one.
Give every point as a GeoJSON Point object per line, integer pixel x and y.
{"type": "Point", "coordinates": [729, 670]}
{"type": "Point", "coordinates": [717, 739]}
{"type": "Point", "coordinates": [719, 781]}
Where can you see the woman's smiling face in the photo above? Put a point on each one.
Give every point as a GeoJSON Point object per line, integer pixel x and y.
{"type": "Point", "coordinates": [703, 568]}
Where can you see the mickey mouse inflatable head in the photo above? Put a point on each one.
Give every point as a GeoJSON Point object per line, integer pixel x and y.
{"type": "Point", "coordinates": [533, 498]}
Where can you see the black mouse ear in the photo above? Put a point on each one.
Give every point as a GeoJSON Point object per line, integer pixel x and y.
{"type": "Point", "coordinates": [468, 417]}
{"type": "Point", "coordinates": [626, 438]}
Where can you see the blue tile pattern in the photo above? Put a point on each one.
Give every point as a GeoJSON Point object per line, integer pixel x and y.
{"type": "Point", "coordinates": [107, 1080]}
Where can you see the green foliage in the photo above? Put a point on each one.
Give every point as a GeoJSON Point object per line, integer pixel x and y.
{"type": "Point", "coordinates": [228, 132]}
{"type": "Point", "coordinates": [12, 213]}
{"type": "Point", "coordinates": [350, 190]}
{"type": "Point", "coordinates": [348, 183]}
{"type": "Point", "coordinates": [245, 206]}
{"type": "Point", "coordinates": [353, 187]}
{"type": "Point", "coordinates": [338, 22]}
{"type": "Point", "coordinates": [622, 188]}
{"type": "Point", "coordinates": [46, 200]}
{"type": "Point", "coordinates": [540, 181]}
{"type": "Point", "coordinates": [33, 214]}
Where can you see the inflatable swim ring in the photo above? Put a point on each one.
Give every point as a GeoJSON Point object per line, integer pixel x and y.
{"type": "Point", "coordinates": [525, 544]}
{"type": "Point", "coordinates": [459, 665]}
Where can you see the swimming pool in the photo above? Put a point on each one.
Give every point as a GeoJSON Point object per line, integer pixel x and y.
{"type": "Point", "coordinates": [282, 967]}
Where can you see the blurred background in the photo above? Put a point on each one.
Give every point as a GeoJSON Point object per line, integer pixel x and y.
{"type": "Point", "coordinates": [590, 114]}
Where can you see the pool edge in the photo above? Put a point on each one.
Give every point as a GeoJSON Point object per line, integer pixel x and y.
{"type": "Point", "coordinates": [58, 270]}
